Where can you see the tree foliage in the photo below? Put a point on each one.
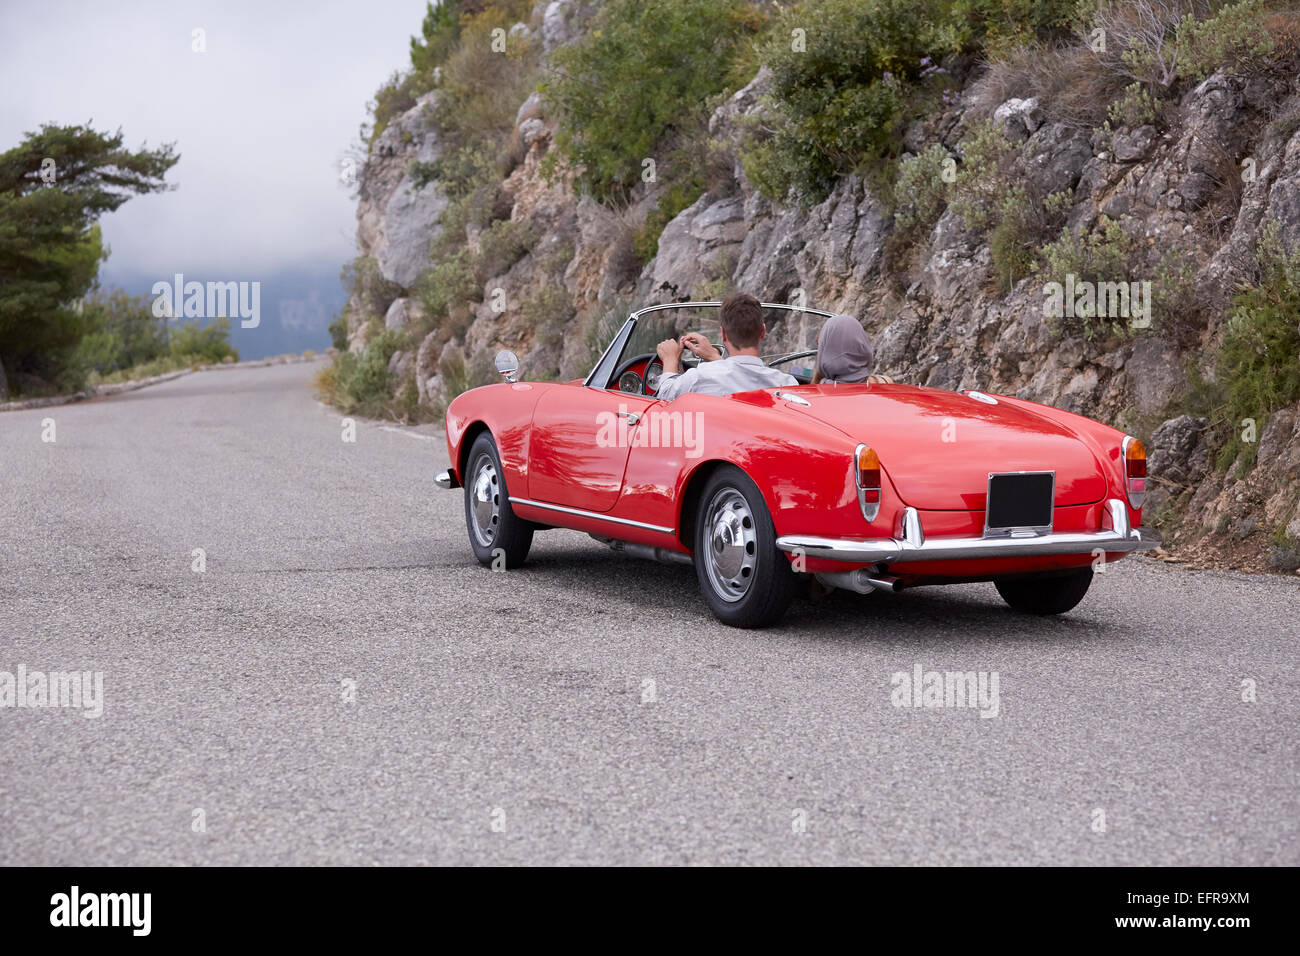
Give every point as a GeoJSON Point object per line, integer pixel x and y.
{"type": "Point", "coordinates": [54, 186]}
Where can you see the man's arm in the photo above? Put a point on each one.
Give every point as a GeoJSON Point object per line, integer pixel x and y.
{"type": "Point", "coordinates": [673, 384]}
{"type": "Point", "coordinates": [670, 355]}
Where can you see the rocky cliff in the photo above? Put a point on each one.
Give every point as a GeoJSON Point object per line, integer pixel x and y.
{"type": "Point", "coordinates": [1201, 189]}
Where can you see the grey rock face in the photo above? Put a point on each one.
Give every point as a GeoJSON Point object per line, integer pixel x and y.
{"type": "Point", "coordinates": [1130, 145]}
{"type": "Point", "coordinates": [1178, 449]}
{"type": "Point", "coordinates": [559, 24]}
{"type": "Point", "coordinates": [1019, 118]}
{"type": "Point", "coordinates": [696, 239]}
{"type": "Point", "coordinates": [937, 313]}
{"type": "Point", "coordinates": [399, 365]}
{"type": "Point", "coordinates": [399, 315]}
{"type": "Point", "coordinates": [426, 364]}
{"type": "Point", "coordinates": [1055, 157]}
{"type": "Point", "coordinates": [412, 220]}
{"type": "Point", "coordinates": [1155, 374]}
{"type": "Point", "coordinates": [396, 222]}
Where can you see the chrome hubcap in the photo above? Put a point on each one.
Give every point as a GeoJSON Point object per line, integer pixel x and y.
{"type": "Point", "coordinates": [485, 500]}
{"type": "Point", "coordinates": [731, 552]}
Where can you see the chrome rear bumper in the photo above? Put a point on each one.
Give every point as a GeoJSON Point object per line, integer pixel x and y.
{"type": "Point", "coordinates": [445, 479]}
{"type": "Point", "coordinates": [1116, 535]}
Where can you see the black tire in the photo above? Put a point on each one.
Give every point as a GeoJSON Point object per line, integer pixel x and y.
{"type": "Point", "coordinates": [746, 580]}
{"type": "Point", "coordinates": [493, 527]}
{"type": "Point", "coordinates": [1046, 594]}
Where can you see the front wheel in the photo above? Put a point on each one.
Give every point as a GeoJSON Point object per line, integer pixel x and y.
{"type": "Point", "coordinates": [1048, 594]}
{"type": "Point", "coordinates": [499, 537]}
{"type": "Point", "coordinates": [745, 578]}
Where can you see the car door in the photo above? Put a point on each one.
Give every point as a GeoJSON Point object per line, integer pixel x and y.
{"type": "Point", "coordinates": [579, 445]}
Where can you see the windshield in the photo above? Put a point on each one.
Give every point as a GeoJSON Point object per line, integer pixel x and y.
{"type": "Point", "coordinates": [788, 330]}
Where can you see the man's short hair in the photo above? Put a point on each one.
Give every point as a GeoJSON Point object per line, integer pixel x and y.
{"type": "Point", "coordinates": [742, 320]}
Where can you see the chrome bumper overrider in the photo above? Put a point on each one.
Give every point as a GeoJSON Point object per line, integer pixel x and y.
{"type": "Point", "coordinates": [1116, 535]}
{"type": "Point", "coordinates": [444, 479]}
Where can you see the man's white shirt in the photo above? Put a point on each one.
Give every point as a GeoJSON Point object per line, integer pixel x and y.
{"type": "Point", "coordinates": [736, 373]}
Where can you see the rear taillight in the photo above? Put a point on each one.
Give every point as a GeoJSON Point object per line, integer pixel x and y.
{"type": "Point", "coordinates": [866, 476]}
{"type": "Point", "coordinates": [1135, 470]}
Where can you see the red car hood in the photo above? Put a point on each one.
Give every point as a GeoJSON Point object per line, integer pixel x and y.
{"type": "Point", "coordinates": [938, 447]}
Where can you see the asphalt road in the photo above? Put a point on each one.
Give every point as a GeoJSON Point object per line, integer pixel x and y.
{"type": "Point", "coordinates": [511, 718]}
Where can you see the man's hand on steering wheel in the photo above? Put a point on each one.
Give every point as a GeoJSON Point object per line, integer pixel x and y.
{"type": "Point", "coordinates": [670, 353]}
{"type": "Point", "coordinates": [701, 346]}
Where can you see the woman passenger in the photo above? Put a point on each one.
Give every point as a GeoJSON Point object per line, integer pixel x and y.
{"type": "Point", "coordinates": [844, 353]}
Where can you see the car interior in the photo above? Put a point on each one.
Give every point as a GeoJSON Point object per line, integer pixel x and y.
{"type": "Point", "coordinates": [638, 369]}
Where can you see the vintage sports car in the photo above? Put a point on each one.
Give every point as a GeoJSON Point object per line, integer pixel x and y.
{"type": "Point", "coordinates": [865, 487]}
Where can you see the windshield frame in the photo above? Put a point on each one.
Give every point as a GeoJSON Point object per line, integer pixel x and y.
{"type": "Point", "coordinates": [611, 356]}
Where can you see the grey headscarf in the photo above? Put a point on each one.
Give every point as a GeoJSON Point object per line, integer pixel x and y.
{"type": "Point", "coordinates": [844, 352]}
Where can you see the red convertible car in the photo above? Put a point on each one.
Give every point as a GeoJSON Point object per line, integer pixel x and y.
{"type": "Point", "coordinates": [866, 487]}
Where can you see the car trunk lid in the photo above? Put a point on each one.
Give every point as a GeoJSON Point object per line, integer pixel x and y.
{"type": "Point", "coordinates": [938, 447]}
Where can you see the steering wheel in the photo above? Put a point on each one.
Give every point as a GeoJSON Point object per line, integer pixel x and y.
{"type": "Point", "coordinates": [654, 368]}
{"type": "Point", "coordinates": [791, 357]}
{"type": "Point", "coordinates": [639, 383]}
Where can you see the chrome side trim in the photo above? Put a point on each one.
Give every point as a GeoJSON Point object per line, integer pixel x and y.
{"type": "Point", "coordinates": [1116, 535]}
{"type": "Point", "coordinates": [445, 479]}
{"type": "Point", "coordinates": [528, 502]}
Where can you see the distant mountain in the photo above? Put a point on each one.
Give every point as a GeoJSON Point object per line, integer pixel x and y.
{"type": "Point", "coordinates": [297, 305]}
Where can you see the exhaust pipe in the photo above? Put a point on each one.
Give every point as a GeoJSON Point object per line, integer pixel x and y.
{"type": "Point", "coordinates": [861, 580]}
{"type": "Point", "coordinates": [662, 555]}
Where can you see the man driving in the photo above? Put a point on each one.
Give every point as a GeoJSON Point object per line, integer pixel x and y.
{"type": "Point", "coordinates": [742, 370]}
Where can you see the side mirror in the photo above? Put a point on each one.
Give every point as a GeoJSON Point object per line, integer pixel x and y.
{"type": "Point", "coordinates": [508, 364]}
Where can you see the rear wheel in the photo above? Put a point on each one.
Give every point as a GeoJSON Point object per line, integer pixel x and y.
{"type": "Point", "coordinates": [496, 533]}
{"type": "Point", "coordinates": [1048, 594]}
{"type": "Point", "coordinates": [745, 578]}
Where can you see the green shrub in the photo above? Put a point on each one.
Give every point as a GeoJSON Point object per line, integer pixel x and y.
{"type": "Point", "coordinates": [160, 366]}
{"type": "Point", "coordinates": [1002, 24]}
{"type": "Point", "coordinates": [478, 97]}
{"type": "Point", "coordinates": [122, 332]}
{"type": "Point", "coordinates": [920, 193]}
{"type": "Point", "coordinates": [361, 383]}
{"type": "Point", "coordinates": [1136, 107]}
{"type": "Point", "coordinates": [1176, 306]}
{"type": "Point", "coordinates": [439, 33]}
{"type": "Point", "coordinates": [1100, 256]}
{"type": "Point", "coordinates": [204, 343]}
{"type": "Point", "coordinates": [1236, 34]}
{"type": "Point", "coordinates": [460, 172]}
{"type": "Point", "coordinates": [984, 176]}
{"type": "Point", "coordinates": [501, 245]}
{"type": "Point", "coordinates": [338, 330]}
{"type": "Point", "coordinates": [1158, 44]}
{"type": "Point", "coordinates": [641, 76]}
{"type": "Point", "coordinates": [1258, 362]}
{"type": "Point", "coordinates": [449, 283]}
{"type": "Point", "coordinates": [1012, 242]}
{"type": "Point", "coordinates": [842, 100]}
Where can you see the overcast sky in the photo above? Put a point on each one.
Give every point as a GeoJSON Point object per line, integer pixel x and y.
{"type": "Point", "coordinates": [261, 119]}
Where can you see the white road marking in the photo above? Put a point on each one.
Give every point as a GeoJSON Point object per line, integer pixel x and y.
{"type": "Point", "coordinates": [408, 433]}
